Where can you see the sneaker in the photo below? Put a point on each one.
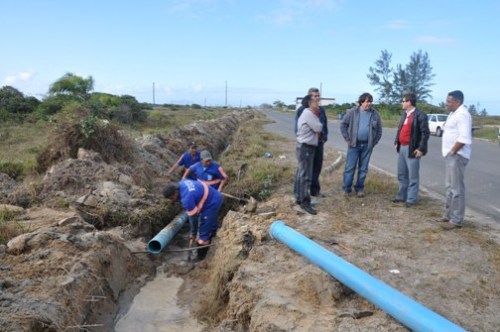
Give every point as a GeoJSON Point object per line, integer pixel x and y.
{"type": "Point", "coordinates": [409, 205]}
{"type": "Point", "coordinates": [308, 208]}
{"type": "Point", "coordinates": [440, 220]}
{"type": "Point", "coordinates": [360, 194]}
{"type": "Point", "coordinates": [314, 203]}
{"type": "Point", "coordinates": [397, 200]}
{"type": "Point", "coordinates": [449, 226]}
{"type": "Point", "coordinates": [347, 193]}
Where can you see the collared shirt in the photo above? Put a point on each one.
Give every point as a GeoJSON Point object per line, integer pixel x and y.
{"type": "Point", "coordinates": [187, 159]}
{"type": "Point", "coordinates": [458, 128]}
{"type": "Point", "coordinates": [212, 175]}
{"type": "Point", "coordinates": [196, 196]}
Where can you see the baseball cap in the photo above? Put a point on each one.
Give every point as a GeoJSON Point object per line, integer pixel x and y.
{"type": "Point", "coordinates": [205, 155]}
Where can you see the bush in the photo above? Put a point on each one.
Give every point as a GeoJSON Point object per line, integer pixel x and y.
{"type": "Point", "coordinates": [14, 170]}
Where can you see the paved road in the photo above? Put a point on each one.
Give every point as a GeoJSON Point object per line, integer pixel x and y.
{"type": "Point", "coordinates": [482, 176]}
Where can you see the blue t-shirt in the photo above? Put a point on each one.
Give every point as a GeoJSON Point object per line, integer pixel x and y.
{"type": "Point", "coordinates": [196, 196]}
{"type": "Point", "coordinates": [364, 125]}
{"type": "Point", "coordinates": [187, 159]}
{"type": "Point", "coordinates": [213, 175]}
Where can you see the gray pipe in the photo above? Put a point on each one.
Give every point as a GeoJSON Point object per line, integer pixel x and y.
{"type": "Point", "coordinates": [160, 241]}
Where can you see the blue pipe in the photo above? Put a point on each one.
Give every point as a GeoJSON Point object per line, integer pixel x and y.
{"type": "Point", "coordinates": [156, 244]}
{"type": "Point", "coordinates": [409, 312]}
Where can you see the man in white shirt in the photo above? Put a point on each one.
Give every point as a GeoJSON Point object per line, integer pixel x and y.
{"type": "Point", "coordinates": [456, 148]}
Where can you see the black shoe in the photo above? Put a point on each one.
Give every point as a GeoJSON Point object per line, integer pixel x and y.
{"type": "Point", "coordinates": [308, 208]}
{"type": "Point", "coordinates": [397, 200]}
{"type": "Point", "coordinates": [202, 253]}
{"type": "Point", "coordinates": [409, 205]}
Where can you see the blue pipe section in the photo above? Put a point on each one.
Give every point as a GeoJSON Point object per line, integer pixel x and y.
{"type": "Point", "coordinates": [156, 244]}
{"type": "Point", "coordinates": [407, 311]}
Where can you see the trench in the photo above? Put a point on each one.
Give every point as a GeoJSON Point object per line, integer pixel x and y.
{"type": "Point", "coordinates": [155, 308]}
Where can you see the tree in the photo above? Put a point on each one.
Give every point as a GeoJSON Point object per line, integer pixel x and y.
{"type": "Point", "coordinates": [419, 73]}
{"type": "Point", "coordinates": [73, 85]}
{"type": "Point", "coordinates": [279, 104]}
{"type": "Point", "coordinates": [13, 101]}
{"type": "Point", "coordinates": [483, 112]}
{"type": "Point", "coordinates": [380, 76]}
{"type": "Point", "coordinates": [415, 77]}
{"type": "Point", "coordinates": [472, 110]}
{"type": "Point", "coordinates": [400, 84]}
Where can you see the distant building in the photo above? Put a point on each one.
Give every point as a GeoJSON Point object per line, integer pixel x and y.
{"type": "Point", "coordinates": [322, 102]}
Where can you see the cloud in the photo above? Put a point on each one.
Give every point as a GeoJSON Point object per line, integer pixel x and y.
{"type": "Point", "coordinates": [436, 40]}
{"type": "Point", "coordinates": [23, 76]}
{"type": "Point", "coordinates": [397, 24]}
{"type": "Point", "coordinates": [289, 11]}
{"type": "Point", "coordinates": [198, 88]}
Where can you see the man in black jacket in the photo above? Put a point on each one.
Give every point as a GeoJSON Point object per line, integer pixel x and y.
{"type": "Point", "coordinates": [411, 144]}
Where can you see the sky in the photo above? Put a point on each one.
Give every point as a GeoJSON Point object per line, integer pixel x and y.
{"type": "Point", "coordinates": [239, 53]}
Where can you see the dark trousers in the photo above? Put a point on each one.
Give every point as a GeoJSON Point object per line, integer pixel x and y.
{"type": "Point", "coordinates": [317, 166]}
{"type": "Point", "coordinates": [302, 183]}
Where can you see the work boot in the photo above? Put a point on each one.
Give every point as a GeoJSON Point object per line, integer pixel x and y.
{"type": "Point", "coordinates": [308, 208]}
{"type": "Point", "coordinates": [202, 253]}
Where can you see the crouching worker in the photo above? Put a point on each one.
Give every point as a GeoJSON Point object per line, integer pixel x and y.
{"type": "Point", "coordinates": [202, 203]}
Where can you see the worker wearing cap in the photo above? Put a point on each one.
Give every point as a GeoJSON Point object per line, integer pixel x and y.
{"type": "Point", "coordinates": [188, 158]}
{"type": "Point", "coordinates": [201, 202]}
{"type": "Point", "coordinates": [207, 171]}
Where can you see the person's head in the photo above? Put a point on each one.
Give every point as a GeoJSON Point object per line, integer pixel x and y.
{"type": "Point", "coordinates": [365, 101]}
{"type": "Point", "coordinates": [192, 148]}
{"type": "Point", "coordinates": [171, 192]}
{"type": "Point", "coordinates": [310, 102]}
{"type": "Point", "coordinates": [206, 158]}
{"type": "Point", "coordinates": [454, 100]}
{"type": "Point", "coordinates": [409, 101]}
{"type": "Point", "coordinates": [314, 93]}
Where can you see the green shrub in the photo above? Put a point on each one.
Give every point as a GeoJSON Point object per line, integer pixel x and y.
{"type": "Point", "coordinates": [15, 170]}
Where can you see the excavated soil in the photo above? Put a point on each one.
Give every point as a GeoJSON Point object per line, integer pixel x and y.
{"type": "Point", "coordinates": [74, 270]}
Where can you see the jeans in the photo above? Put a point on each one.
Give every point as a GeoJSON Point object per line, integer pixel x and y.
{"type": "Point", "coordinates": [359, 156]}
{"type": "Point", "coordinates": [408, 176]}
{"type": "Point", "coordinates": [317, 165]}
{"type": "Point", "coordinates": [303, 177]}
{"type": "Point", "coordinates": [455, 188]}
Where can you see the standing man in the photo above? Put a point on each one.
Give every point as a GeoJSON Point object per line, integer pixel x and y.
{"type": "Point", "coordinates": [308, 127]}
{"type": "Point", "coordinates": [456, 148]}
{"type": "Point", "coordinates": [323, 137]}
{"type": "Point", "coordinates": [207, 171]}
{"type": "Point", "coordinates": [411, 144]}
{"type": "Point", "coordinates": [202, 203]}
{"type": "Point", "coordinates": [188, 158]}
{"type": "Point", "coordinates": [361, 129]}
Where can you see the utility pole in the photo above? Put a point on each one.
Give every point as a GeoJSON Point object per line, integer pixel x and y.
{"type": "Point", "coordinates": [154, 94]}
{"type": "Point", "coordinates": [226, 95]}
{"type": "Point", "coordinates": [321, 88]}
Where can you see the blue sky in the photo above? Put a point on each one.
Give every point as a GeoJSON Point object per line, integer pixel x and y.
{"type": "Point", "coordinates": [264, 50]}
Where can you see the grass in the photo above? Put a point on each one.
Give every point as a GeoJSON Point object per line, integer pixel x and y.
{"type": "Point", "coordinates": [162, 119]}
{"type": "Point", "coordinates": [9, 230]}
{"type": "Point", "coordinates": [20, 145]}
{"type": "Point", "coordinates": [488, 133]}
{"type": "Point", "coordinates": [260, 175]}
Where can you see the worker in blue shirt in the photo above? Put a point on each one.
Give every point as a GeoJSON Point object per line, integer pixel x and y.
{"type": "Point", "coordinates": [188, 158]}
{"type": "Point", "coordinates": [207, 171]}
{"type": "Point", "coordinates": [202, 203]}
